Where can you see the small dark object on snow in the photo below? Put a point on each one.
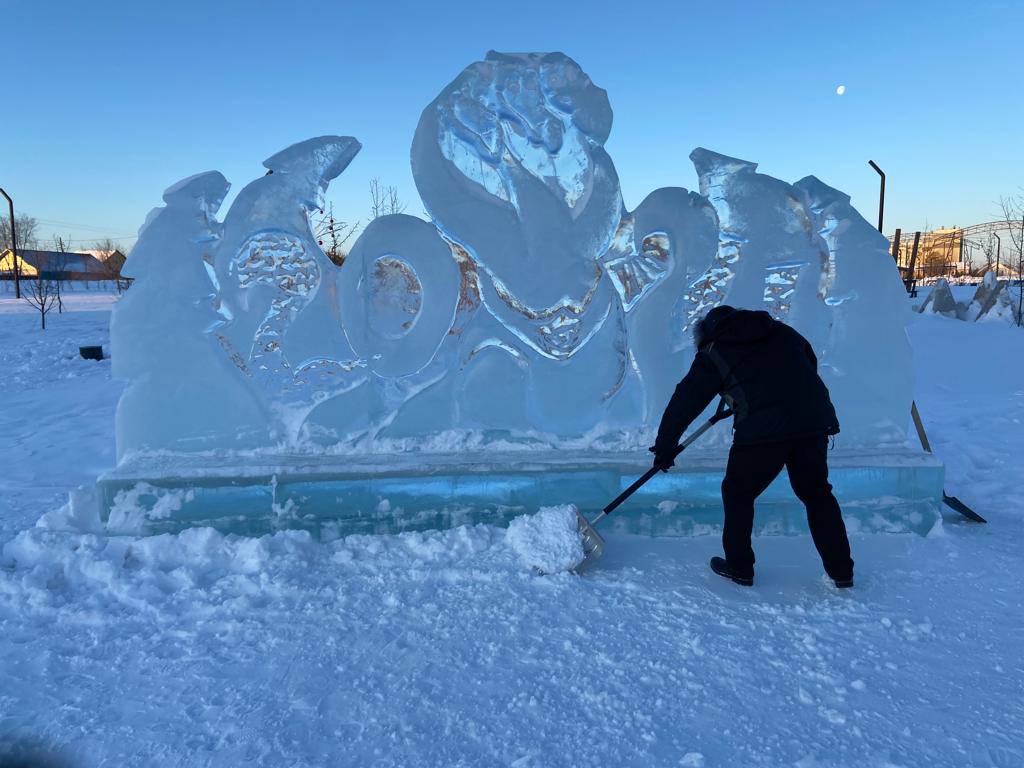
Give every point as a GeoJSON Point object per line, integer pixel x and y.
{"type": "Point", "coordinates": [91, 353]}
{"type": "Point", "coordinates": [719, 566]}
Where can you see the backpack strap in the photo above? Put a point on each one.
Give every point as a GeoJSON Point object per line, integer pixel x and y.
{"type": "Point", "coordinates": [732, 392]}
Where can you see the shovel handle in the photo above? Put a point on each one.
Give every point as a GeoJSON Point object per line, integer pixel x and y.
{"type": "Point", "coordinates": [723, 412]}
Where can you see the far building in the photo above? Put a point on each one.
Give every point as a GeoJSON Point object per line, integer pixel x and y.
{"type": "Point", "coordinates": [939, 252]}
{"type": "Point", "coordinates": [55, 265]}
{"type": "Point", "coordinates": [114, 260]}
{"type": "Point", "coordinates": [957, 253]}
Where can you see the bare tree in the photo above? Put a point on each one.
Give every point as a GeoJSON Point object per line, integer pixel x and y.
{"type": "Point", "coordinates": [41, 294]}
{"type": "Point", "coordinates": [331, 234]}
{"type": "Point", "coordinates": [26, 228]}
{"type": "Point", "coordinates": [988, 251]}
{"type": "Point", "coordinates": [112, 261]}
{"type": "Point", "coordinates": [384, 200]}
{"type": "Point", "coordinates": [1013, 215]}
{"type": "Point", "coordinates": [57, 263]}
{"type": "Point", "coordinates": [44, 292]}
{"type": "Point", "coordinates": [104, 248]}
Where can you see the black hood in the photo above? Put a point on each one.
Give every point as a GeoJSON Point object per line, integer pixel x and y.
{"type": "Point", "coordinates": [742, 326]}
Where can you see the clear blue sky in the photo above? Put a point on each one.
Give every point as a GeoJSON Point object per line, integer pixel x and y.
{"type": "Point", "coordinates": [115, 101]}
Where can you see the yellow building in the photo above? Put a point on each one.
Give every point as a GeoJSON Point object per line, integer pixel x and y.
{"type": "Point", "coordinates": [54, 265]}
{"type": "Point", "coordinates": [939, 252]}
{"type": "Point", "coordinates": [7, 266]}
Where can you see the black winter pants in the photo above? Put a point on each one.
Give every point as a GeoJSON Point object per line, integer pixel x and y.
{"type": "Point", "coordinates": [751, 470]}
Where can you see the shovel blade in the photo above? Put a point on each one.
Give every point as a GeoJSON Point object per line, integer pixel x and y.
{"type": "Point", "coordinates": [593, 544]}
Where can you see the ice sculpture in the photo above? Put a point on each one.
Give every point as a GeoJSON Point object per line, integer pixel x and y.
{"type": "Point", "coordinates": [537, 279]}
{"type": "Point", "coordinates": [277, 322]}
{"type": "Point", "coordinates": [866, 360]}
{"type": "Point", "coordinates": [991, 302]}
{"type": "Point", "coordinates": [772, 254]}
{"type": "Point", "coordinates": [185, 393]}
{"type": "Point", "coordinates": [675, 240]}
{"type": "Point", "coordinates": [402, 299]}
{"type": "Point", "coordinates": [532, 308]}
{"type": "Point", "coordinates": [509, 161]}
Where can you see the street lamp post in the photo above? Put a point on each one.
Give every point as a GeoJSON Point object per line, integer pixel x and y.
{"type": "Point", "coordinates": [1020, 267]}
{"type": "Point", "coordinates": [14, 246]}
{"type": "Point", "coordinates": [999, 247]}
{"type": "Point", "coordinates": [881, 193]}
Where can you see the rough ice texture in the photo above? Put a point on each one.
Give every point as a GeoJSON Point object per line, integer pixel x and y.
{"type": "Point", "coordinates": [991, 303]}
{"type": "Point", "coordinates": [548, 541]}
{"type": "Point", "coordinates": [941, 302]}
{"type": "Point", "coordinates": [532, 308]}
{"type": "Point", "coordinates": [856, 318]}
{"type": "Point", "coordinates": [184, 391]}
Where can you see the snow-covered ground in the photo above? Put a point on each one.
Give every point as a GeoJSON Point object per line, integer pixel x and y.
{"type": "Point", "coordinates": [441, 649]}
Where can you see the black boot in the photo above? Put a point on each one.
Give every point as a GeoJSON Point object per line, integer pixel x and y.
{"type": "Point", "coordinates": [843, 583]}
{"type": "Point", "coordinates": [721, 567]}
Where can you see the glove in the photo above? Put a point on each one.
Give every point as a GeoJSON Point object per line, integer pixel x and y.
{"type": "Point", "coordinates": [663, 457]}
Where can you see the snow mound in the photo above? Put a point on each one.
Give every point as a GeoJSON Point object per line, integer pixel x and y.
{"type": "Point", "coordinates": [548, 541]}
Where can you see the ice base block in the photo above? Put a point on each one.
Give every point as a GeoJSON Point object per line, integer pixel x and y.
{"type": "Point", "coordinates": [896, 490]}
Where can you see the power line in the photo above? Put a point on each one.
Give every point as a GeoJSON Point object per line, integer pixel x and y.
{"type": "Point", "coordinates": [86, 227]}
{"type": "Point", "coordinates": [93, 241]}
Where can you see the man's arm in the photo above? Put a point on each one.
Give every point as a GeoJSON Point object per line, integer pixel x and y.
{"type": "Point", "coordinates": [693, 394]}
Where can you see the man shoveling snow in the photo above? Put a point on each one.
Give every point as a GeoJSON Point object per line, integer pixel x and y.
{"type": "Point", "coordinates": [768, 374]}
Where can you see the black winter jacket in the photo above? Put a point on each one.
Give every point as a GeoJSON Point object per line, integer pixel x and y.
{"type": "Point", "coordinates": [765, 370]}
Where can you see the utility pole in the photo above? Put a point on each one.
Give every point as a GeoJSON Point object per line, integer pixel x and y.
{"type": "Point", "coordinates": [881, 193]}
{"type": "Point", "coordinates": [913, 258]}
{"type": "Point", "coordinates": [14, 246]}
{"type": "Point", "coordinates": [1020, 269]}
{"type": "Point", "coordinates": [999, 247]}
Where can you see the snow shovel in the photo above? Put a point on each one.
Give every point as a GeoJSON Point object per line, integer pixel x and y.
{"type": "Point", "coordinates": [950, 501]}
{"type": "Point", "coordinates": [593, 544]}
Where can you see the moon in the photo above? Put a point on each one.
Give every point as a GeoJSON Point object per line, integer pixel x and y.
{"type": "Point", "coordinates": [841, 90]}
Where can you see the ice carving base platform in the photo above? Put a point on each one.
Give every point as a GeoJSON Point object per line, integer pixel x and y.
{"type": "Point", "coordinates": [341, 495]}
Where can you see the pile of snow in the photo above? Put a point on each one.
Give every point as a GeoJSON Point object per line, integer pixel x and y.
{"type": "Point", "coordinates": [548, 541]}
{"type": "Point", "coordinates": [991, 302]}
{"type": "Point", "coordinates": [957, 280]}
